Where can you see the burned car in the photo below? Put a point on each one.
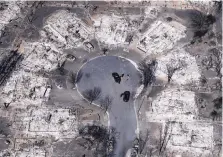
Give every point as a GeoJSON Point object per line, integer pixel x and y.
{"type": "Point", "coordinates": [116, 77]}
{"type": "Point", "coordinates": [126, 96]}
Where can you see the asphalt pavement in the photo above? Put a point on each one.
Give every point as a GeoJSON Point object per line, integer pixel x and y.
{"type": "Point", "coordinates": [98, 73]}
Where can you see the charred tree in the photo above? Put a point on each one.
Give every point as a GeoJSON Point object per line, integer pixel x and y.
{"type": "Point", "coordinates": [106, 103]}
{"type": "Point", "coordinates": [143, 141]}
{"type": "Point", "coordinates": [92, 94]}
{"type": "Point", "coordinates": [79, 76]}
{"type": "Point", "coordinates": [218, 103]}
{"type": "Point", "coordinates": [216, 56]}
{"type": "Point", "coordinates": [8, 64]}
{"type": "Point", "coordinates": [60, 69]}
{"type": "Point", "coordinates": [214, 114]}
{"type": "Point", "coordinates": [74, 78]}
{"type": "Point", "coordinates": [148, 70]}
{"type": "Point", "coordinates": [200, 23]}
{"type": "Point", "coordinates": [164, 138]}
{"type": "Point", "coordinates": [170, 71]}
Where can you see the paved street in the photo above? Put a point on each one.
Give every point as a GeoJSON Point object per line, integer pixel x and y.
{"type": "Point", "coordinates": [98, 73]}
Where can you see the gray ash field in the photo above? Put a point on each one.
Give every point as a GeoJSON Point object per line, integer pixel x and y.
{"type": "Point", "coordinates": [111, 79]}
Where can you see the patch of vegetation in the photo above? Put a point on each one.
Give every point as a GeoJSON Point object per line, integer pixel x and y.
{"type": "Point", "coordinates": [102, 138]}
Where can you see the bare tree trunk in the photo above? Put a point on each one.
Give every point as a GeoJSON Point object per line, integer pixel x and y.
{"type": "Point", "coordinates": [165, 138]}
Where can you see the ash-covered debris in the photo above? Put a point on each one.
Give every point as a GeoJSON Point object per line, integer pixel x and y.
{"type": "Point", "coordinates": [183, 83]}
{"type": "Point", "coordinates": [3, 6]}
{"type": "Point", "coordinates": [23, 87]}
{"type": "Point", "coordinates": [5, 127]}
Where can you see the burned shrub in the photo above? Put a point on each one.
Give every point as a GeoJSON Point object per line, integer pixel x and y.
{"type": "Point", "coordinates": [102, 138]}
{"type": "Point", "coordinates": [96, 132]}
{"type": "Point", "coordinates": [200, 23]}
{"type": "Point", "coordinates": [148, 72]}
{"type": "Point", "coordinates": [169, 19]}
{"type": "Point", "coordinates": [74, 78]}
{"type": "Point", "coordinates": [39, 143]}
{"type": "Point", "coordinates": [104, 50]}
{"type": "Point", "coordinates": [214, 115]}
{"type": "Point", "coordinates": [60, 69]}
{"type": "Point", "coordinates": [3, 5]}
{"type": "Point", "coordinates": [218, 103]}
{"type": "Point", "coordinates": [60, 82]}
{"type": "Point", "coordinates": [218, 6]}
